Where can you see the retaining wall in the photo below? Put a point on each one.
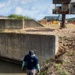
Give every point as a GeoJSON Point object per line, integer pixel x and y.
{"type": "Point", "coordinates": [18, 24]}
{"type": "Point", "coordinates": [15, 46]}
{"type": "Point", "coordinates": [31, 23]}
{"type": "Point", "coordinates": [11, 24]}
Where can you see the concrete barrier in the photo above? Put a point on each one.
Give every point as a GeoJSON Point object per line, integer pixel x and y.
{"type": "Point", "coordinates": [11, 24]}
{"type": "Point", "coordinates": [15, 46]}
{"type": "Point", "coordinates": [31, 23]}
{"type": "Point", "coordinates": [18, 24]}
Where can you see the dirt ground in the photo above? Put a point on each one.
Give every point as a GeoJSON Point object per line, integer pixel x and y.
{"type": "Point", "coordinates": [64, 63]}
{"type": "Point", "coordinates": [58, 66]}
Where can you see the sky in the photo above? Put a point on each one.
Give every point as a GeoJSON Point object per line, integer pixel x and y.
{"type": "Point", "coordinates": [36, 9]}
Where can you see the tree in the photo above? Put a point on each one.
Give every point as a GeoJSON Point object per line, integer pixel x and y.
{"type": "Point", "coordinates": [71, 20]}
{"type": "Point", "coordinates": [15, 16]}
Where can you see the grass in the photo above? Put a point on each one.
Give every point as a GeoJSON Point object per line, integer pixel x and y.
{"type": "Point", "coordinates": [61, 70]}
{"type": "Point", "coordinates": [48, 60]}
{"type": "Point", "coordinates": [64, 72]}
{"type": "Point", "coordinates": [44, 73]}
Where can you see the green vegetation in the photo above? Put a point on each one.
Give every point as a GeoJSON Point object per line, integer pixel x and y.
{"type": "Point", "coordinates": [64, 72]}
{"type": "Point", "coordinates": [61, 69]}
{"type": "Point", "coordinates": [58, 66]}
{"type": "Point", "coordinates": [15, 16]}
{"type": "Point", "coordinates": [71, 19]}
{"type": "Point", "coordinates": [48, 60]}
{"type": "Point", "coordinates": [43, 73]}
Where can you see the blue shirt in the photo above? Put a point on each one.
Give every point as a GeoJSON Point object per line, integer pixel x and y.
{"type": "Point", "coordinates": [31, 62]}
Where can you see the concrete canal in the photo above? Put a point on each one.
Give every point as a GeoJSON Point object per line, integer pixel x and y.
{"type": "Point", "coordinates": [7, 68]}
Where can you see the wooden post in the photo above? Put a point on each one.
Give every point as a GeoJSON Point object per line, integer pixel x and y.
{"type": "Point", "coordinates": [63, 21]}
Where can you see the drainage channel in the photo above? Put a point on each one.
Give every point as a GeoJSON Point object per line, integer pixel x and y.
{"type": "Point", "coordinates": [9, 68]}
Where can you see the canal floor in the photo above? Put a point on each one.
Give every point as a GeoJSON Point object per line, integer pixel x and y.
{"type": "Point", "coordinates": [7, 68]}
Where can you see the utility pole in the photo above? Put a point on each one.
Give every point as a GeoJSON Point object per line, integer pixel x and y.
{"type": "Point", "coordinates": [62, 25]}
{"type": "Point", "coordinates": [67, 7]}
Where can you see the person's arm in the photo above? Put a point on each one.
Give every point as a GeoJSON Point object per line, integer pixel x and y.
{"type": "Point", "coordinates": [38, 67]}
{"type": "Point", "coordinates": [24, 63]}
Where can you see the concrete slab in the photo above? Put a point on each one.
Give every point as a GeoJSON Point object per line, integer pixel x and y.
{"type": "Point", "coordinates": [15, 46]}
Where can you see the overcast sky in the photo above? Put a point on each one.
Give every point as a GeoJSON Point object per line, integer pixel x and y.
{"type": "Point", "coordinates": [36, 9]}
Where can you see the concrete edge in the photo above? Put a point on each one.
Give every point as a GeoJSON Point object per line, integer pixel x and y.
{"type": "Point", "coordinates": [56, 44]}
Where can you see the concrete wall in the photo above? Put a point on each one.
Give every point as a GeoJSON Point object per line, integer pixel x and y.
{"type": "Point", "coordinates": [3, 17]}
{"type": "Point", "coordinates": [11, 24]}
{"type": "Point", "coordinates": [15, 46]}
{"type": "Point", "coordinates": [31, 23]}
{"type": "Point", "coordinates": [18, 24]}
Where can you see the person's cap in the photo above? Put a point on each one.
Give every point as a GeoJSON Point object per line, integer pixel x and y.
{"type": "Point", "coordinates": [31, 52]}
